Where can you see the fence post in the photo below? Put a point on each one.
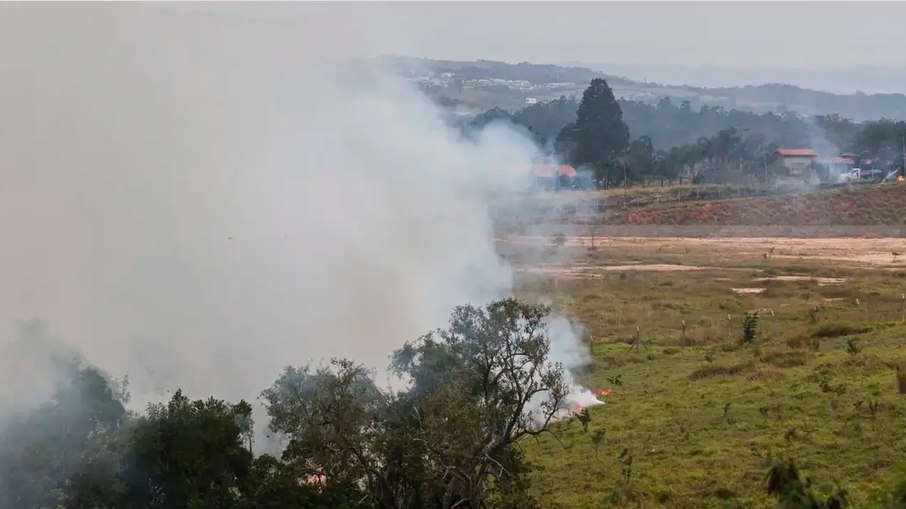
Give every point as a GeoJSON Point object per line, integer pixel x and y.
{"type": "Point", "coordinates": [684, 334]}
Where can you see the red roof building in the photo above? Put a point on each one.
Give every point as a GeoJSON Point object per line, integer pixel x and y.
{"type": "Point", "coordinates": [567, 171]}
{"type": "Point", "coordinates": [547, 167]}
{"type": "Point", "coordinates": [799, 161]}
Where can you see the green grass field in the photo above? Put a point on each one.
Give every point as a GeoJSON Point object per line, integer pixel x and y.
{"type": "Point", "coordinates": [818, 383]}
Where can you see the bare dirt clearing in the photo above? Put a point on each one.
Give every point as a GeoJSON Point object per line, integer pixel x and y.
{"type": "Point", "coordinates": [870, 253]}
{"type": "Point", "coordinates": [742, 291]}
{"type": "Point", "coordinates": [819, 280]}
{"type": "Point", "coordinates": [592, 271]}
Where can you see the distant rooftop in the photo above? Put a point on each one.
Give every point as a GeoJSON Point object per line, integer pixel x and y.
{"type": "Point", "coordinates": [837, 160]}
{"type": "Point", "coordinates": [796, 152]}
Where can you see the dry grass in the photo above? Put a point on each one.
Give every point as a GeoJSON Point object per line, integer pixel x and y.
{"type": "Point", "coordinates": [867, 205]}
{"type": "Point", "coordinates": [716, 406]}
{"type": "Point", "coordinates": [710, 370]}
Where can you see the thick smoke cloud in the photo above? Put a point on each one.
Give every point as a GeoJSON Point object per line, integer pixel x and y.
{"type": "Point", "coordinates": [196, 200]}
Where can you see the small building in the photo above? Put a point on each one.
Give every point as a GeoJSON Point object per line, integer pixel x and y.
{"type": "Point", "coordinates": [796, 158]}
{"type": "Point", "coordinates": [799, 162]}
{"type": "Point", "coordinates": [550, 174]}
{"type": "Point", "coordinates": [835, 167]}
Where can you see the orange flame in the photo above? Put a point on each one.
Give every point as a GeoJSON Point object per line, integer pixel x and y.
{"type": "Point", "coordinates": [605, 392]}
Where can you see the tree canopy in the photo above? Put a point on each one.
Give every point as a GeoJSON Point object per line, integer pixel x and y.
{"type": "Point", "coordinates": [599, 132]}
{"type": "Point", "coordinates": [448, 439]}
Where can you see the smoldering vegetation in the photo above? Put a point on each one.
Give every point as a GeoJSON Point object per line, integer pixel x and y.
{"type": "Point", "coordinates": [193, 200]}
{"type": "Point", "coordinates": [449, 438]}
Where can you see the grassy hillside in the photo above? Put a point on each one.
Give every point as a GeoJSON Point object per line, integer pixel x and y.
{"type": "Point", "coordinates": [817, 384]}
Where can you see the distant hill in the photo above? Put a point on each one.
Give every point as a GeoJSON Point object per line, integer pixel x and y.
{"type": "Point", "coordinates": [545, 82]}
{"type": "Point", "coordinates": [839, 80]}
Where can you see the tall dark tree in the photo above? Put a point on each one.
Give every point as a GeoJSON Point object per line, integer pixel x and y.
{"type": "Point", "coordinates": [599, 131]}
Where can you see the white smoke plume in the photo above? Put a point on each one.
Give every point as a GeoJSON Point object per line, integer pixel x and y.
{"type": "Point", "coordinates": [198, 199]}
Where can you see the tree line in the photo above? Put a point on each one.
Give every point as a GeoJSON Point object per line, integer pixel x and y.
{"type": "Point", "coordinates": [448, 439]}
{"type": "Point", "coordinates": [670, 139]}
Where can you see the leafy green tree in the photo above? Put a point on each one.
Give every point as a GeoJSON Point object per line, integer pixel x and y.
{"type": "Point", "coordinates": [447, 440]}
{"type": "Point", "coordinates": [599, 131]}
{"type": "Point", "coordinates": [641, 158]}
{"type": "Point", "coordinates": [273, 484]}
{"type": "Point", "coordinates": [188, 454]}
{"type": "Point", "coordinates": [62, 453]}
{"type": "Point", "coordinates": [495, 114]}
{"type": "Point", "coordinates": [479, 387]}
{"type": "Point", "coordinates": [337, 423]}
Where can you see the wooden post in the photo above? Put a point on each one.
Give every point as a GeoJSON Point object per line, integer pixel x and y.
{"type": "Point", "coordinates": [774, 319]}
{"type": "Point", "coordinates": [684, 334]}
{"type": "Point", "coordinates": [903, 318]}
{"type": "Point", "coordinates": [729, 320]}
{"type": "Point", "coordinates": [765, 158]}
{"type": "Point", "coordinates": [638, 338]}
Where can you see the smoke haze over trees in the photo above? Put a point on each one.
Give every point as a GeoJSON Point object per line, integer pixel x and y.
{"type": "Point", "coordinates": [449, 438]}
{"type": "Point", "coordinates": [762, 98]}
{"type": "Point", "coordinates": [669, 139]}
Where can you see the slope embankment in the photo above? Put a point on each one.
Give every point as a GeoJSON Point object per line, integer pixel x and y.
{"type": "Point", "coordinates": [864, 205]}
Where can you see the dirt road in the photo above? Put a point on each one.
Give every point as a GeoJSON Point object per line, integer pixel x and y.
{"type": "Point", "coordinates": [876, 252]}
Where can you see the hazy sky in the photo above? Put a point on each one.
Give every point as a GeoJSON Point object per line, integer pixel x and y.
{"type": "Point", "coordinates": [811, 35]}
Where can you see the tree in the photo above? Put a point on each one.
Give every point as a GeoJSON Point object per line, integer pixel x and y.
{"type": "Point", "coordinates": [599, 130]}
{"type": "Point", "coordinates": [448, 439]}
{"type": "Point", "coordinates": [273, 484]}
{"type": "Point", "coordinates": [62, 453]}
{"type": "Point", "coordinates": [188, 454]}
{"type": "Point", "coordinates": [335, 419]}
{"type": "Point", "coordinates": [641, 157]}
{"type": "Point", "coordinates": [478, 388]}
{"type": "Point", "coordinates": [547, 119]}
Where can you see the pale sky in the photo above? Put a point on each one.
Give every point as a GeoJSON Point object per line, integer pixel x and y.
{"type": "Point", "coordinates": [767, 36]}
{"type": "Point", "coordinates": [746, 34]}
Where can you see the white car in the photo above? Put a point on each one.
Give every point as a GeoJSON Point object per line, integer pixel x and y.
{"type": "Point", "coordinates": [860, 175]}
